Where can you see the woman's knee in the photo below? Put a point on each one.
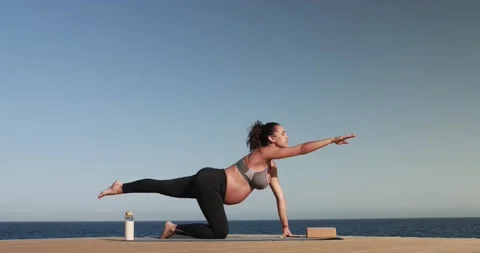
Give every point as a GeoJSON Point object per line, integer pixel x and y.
{"type": "Point", "coordinates": [220, 234]}
{"type": "Point", "coordinates": [219, 227]}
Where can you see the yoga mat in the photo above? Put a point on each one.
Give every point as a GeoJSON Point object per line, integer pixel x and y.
{"type": "Point", "coordinates": [233, 238]}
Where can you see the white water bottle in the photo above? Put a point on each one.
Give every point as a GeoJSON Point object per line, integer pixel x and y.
{"type": "Point", "coordinates": [129, 228]}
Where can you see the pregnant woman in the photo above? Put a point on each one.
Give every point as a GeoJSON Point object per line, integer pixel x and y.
{"type": "Point", "coordinates": [215, 187]}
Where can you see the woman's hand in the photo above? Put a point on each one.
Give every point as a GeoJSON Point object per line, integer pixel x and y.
{"type": "Point", "coordinates": [286, 232]}
{"type": "Point", "coordinates": [340, 140]}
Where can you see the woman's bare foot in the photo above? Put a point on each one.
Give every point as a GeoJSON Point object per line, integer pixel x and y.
{"type": "Point", "coordinates": [115, 189]}
{"type": "Point", "coordinates": [169, 230]}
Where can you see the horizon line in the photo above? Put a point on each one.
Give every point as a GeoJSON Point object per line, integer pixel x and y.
{"type": "Point", "coordinates": [304, 219]}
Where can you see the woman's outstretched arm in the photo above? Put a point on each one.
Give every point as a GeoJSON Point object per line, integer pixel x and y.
{"type": "Point", "coordinates": [273, 152]}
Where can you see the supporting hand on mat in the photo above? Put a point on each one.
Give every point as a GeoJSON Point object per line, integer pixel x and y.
{"type": "Point", "coordinates": [340, 140]}
{"type": "Point", "coordinates": [286, 232]}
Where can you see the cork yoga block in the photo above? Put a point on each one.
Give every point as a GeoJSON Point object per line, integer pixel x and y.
{"type": "Point", "coordinates": [322, 232]}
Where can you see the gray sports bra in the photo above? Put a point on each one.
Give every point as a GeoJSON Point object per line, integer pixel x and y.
{"type": "Point", "coordinates": [257, 180]}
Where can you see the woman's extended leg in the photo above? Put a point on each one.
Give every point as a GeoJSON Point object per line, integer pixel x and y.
{"type": "Point", "coordinates": [177, 188]}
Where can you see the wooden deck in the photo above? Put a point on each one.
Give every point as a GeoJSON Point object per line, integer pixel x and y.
{"type": "Point", "coordinates": [348, 245]}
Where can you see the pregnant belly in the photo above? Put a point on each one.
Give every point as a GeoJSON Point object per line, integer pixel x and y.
{"type": "Point", "coordinates": [237, 187]}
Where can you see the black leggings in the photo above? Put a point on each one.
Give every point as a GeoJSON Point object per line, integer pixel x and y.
{"type": "Point", "coordinates": [207, 186]}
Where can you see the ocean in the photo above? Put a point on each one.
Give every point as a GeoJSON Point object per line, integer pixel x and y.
{"type": "Point", "coordinates": [418, 227]}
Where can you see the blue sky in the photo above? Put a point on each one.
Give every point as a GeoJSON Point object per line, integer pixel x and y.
{"type": "Point", "coordinates": [93, 91]}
